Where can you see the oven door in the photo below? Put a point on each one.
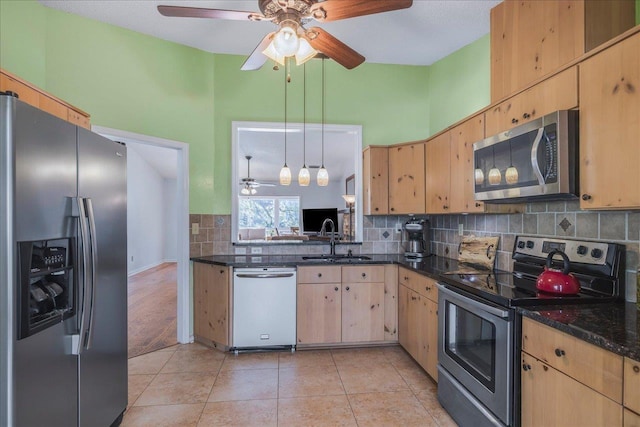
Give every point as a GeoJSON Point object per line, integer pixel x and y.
{"type": "Point", "coordinates": [475, 346]}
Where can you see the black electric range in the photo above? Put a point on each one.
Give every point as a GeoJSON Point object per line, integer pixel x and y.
{"type": "Point", "coordinates": [599, 266]}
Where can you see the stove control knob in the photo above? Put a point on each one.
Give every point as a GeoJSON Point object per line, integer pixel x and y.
{"type": "Point", "coordinates": [582, 250]}
{"type": "Point", "coordinates": [521, 244]}
{"type": "Point", "coordinates": [596, 253]}
{"type": "Point", "coordinates": [529, 244]}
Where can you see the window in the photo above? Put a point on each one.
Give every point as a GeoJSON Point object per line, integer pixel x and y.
{"type": "Point", "coordinates": [268, 212]}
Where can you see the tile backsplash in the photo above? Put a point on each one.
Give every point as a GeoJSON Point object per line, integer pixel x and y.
{"type": "Point", "coordinates": [561, 219]}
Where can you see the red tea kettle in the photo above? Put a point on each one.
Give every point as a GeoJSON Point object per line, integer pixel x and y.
{"type": "Point", "coordinates": [556, 281]}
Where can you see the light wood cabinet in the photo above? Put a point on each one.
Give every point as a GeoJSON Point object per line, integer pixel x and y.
{"type": "Point", "coordinates": [375, 180]}
{"type": "Point", "coordinates": [418, 318]}
{"type": "Point", "coordinates": [632, 385]}
{"type": "Point", "coordinates": [407, 178]}
{"type": "Point", "coordinates": [462, 193]}
{"type": "Point", "coordinates": [597, 368]}
{"type": "Point", "coordinates": [438, 173]}
{"type": "Point", "coordinates": [559, 92]}
{"type": "Point", "coordinates": [552, 398]}
{"type": "Point", "coordinates": [631, 419]}
{"type": "Point", "coordinates": [362, 312]}
{"type": "Point", "coordinates": [319, 312]}
{"type": "Point", "coordinates": [390, 302]}
{"type": "Point", "coordinates": [609, 127]}
{"type": "Point", "coordinates": [212, 303]}
{"type": "Point", "coordinates": [42, 100]}
{"type": "Point", "coordinates": [531, 38]}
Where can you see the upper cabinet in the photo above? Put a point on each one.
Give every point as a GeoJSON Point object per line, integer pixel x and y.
{"type": "Point", "coordinates": [406, 178]}
{"type": "Point", "coordinates": [375, 180]}
{"type": "Point", "coordinates": [33, 96]}
{"type": "Point", "coordinates": [530, 39]}
{"type": "Point", "coordinates": [610, 128]}
{"type": "Point", "coordinates": [559, 92]}
{"type": "Point", "coordinates": [438, 173]}
{"type": "Point", "coordinates": [462, 197]}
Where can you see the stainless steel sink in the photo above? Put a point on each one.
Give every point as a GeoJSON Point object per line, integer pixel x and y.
{"type": "Point", "coordinates": [337, 258]}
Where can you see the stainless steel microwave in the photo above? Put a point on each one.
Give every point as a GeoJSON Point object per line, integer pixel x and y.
{"type": "Point", "coordinates": [531, 162]}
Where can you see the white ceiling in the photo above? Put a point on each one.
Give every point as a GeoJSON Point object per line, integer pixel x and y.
{"type": "Point", "coordinates": [420, 35]}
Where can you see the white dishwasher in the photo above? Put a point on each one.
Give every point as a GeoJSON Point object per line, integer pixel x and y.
{"type": "Point", "coordinates": [264, 307]}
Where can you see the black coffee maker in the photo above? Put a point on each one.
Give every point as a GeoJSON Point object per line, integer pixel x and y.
{"type": "Point", "coordinates": [415, 238]}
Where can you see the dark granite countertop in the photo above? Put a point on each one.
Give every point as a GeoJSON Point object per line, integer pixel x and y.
{"type": "Point", "coordinates": [431, 266]}
{"type": "Point", "coordinates": [612, 326]}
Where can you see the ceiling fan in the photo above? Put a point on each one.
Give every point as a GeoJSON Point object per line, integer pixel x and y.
{"type": "Point", "coordinates": [292, 38]}
{"type": "Point", "coordinates": [249, 184]}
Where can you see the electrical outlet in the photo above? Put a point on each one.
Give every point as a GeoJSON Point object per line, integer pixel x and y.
{"type": "Point", "coordinates": [398, 227]}
{"type": "Point", "coordinates": [240, 251]}
{"type": "Point", "coordinates": [460, 229]}
{"type": "Point", "coordinates": [256, 250]}
{"type": "Point", "coordinates": [195, 228]}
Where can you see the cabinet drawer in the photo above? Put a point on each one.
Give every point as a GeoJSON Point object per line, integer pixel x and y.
{"type": "Point", "coordinates": [363, 274]}
{"type": "Point", "coordinates": [593, 366]}
{"type": "Point", "coordinates": [322, 274]}
{"type": "Point", "coordinates": [419, 283]}
{"type": "Point", "coordinates": [632, 384]}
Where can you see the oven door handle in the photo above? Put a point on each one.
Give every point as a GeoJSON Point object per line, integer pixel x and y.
{"type": "Point", "coordinates": [486, 307]}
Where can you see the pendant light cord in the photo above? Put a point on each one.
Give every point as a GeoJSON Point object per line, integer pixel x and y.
{"type": "Point", "coordinates": [323, 93]}
{"type": "Point", "coordinates": [285, 116]}
{"type": "Point", "coordinates": [304, 117]}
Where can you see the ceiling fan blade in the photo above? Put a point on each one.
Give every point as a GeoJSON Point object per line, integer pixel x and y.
{"type": "Point", "coordinates": [257, 58]}
{"type": "Point", "coordinates": [334, 48]}
{"type": "Point", "coordinates": [333, 10]}
{"type": "Point", "coordinates": [198, 12]}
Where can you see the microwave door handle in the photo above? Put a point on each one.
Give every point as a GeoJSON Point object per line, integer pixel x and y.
{"type": "Point", "coordinates": [534, 156]}
{"type": "Point", "coordinates": [77, 339]}
{"type": "Point", "coordinates": [94, 256]}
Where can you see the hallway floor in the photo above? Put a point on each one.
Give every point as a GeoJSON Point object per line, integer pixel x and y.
{"type": "Point", "coordinates": [192, 385]}
{"type": "Point", "coordinates": [152, 307]}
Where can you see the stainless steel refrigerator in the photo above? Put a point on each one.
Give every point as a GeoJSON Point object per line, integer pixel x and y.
{"type": "Point", "coordinates": [63, 295]}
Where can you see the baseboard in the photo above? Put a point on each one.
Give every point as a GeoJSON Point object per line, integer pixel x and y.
{"type": "Point", "coordinates": [145, 268]}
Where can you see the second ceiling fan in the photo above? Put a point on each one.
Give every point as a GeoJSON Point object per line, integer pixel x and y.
{"type": "Point", "coordinates": [292, 38]}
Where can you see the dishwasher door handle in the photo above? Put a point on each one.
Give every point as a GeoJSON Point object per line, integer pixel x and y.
{"type": "Point", "coordinates": [263, 275]}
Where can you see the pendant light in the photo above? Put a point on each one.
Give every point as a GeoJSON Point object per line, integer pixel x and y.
{"type": "Point", "coordinates": [494, 174]}
{"type": "Point", "coordinates": [511, 175]}
{"type": "Point", "coordinates": [304, 178]}
{"type": "Point", "coordinates": [285, 172]}
{"type": "Point", "coordinates": [323, 175]}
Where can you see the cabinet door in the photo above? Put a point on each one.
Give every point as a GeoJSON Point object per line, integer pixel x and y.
{"type": "Point", "coordinates": [432, 340]}
{"type": "Point", "coordinates": [632, 384]}
{"type": "Point", "coordinates": [403, 318]}
{"type": "Point", "coordinates": [610, 128]}
{"type": "Point", "coordinates": [211, 302]}
{"type": "Point", "coordinates": [406, 179]}
{"type": "Point", "coordinates": [375, 180]}
{"type": "Point", "coordinates": [419, 322]}
{"type": "Point", "coordinates": [631, 419]}
{"type": "Point", "coordinates": [318, 313]}
{"type": "Point", "coordinates": [462, 197]}
{"type": "Point", "coordinates": [362, 312]}
{"type": "Point", "coordinates": [438, 161]}
{"type": "Point", "coordinates": [551, 398]}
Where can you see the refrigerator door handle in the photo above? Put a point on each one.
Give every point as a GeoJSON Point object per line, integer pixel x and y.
{"type": "Point", "coordinates": [77, 339]}
{"type": "Point", "coordinates": [94, 257]}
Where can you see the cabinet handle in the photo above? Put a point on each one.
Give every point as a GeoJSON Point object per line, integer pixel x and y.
{"type": "Point", "coordinates": [319, 274]}
{"type": "Point", "coordinates": [406, 278]}
{"type": "Point", "coordinates": [221, 271]}
{"type": "Point", "coordinates": [392, 209]}
{"type": "Point", "coordinates": [413, 298]}
{"type": "Point", "coordinates": [364, 274]}
{"type": "Point", "coordinates": [559, 352]}
{"type": "Point", "coordinates": [477, 205]}
{"type": "Point", "coordinates": [526, 115]}
{"type": "Point", "coordinates": [526, 367]}
{"type": "Point", "coordinates": [428, 288]}
{"type": "Point", "coordinates": [347, 288]}
{"type": "Point", "coordinates": [376, 209]}
{"type": "Point", "coordinates": [636, 369]}
{"type": "Point", "coordinates": [336, 288]}
{"type": "Point", "coordinates": [445, 207]}
{"type": "Point", "coordinates": [514, 120]}
{"type": "Point", "coordinates": [586, 197]}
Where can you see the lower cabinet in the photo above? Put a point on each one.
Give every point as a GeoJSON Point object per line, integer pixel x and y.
{"type": "Point", "coordinates": [350, 304]}
{"type": "Point", "coordinates": [418, 319]}
{"type": "Point", "coordinates": [212, 302]}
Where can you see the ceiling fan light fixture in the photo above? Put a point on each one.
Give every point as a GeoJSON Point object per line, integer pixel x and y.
{"type": "Point", "coordinates": [286, 41]}
{"type": "Point", "coordinates": [273, 54]}
{"type": "Point", "coordinates": [323, 177]}
{"type": "Point", "coordinates": [305, 52]}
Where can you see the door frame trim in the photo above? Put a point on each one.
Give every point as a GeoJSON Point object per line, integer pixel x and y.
{"type": "Point", "coordinates": [184, 328]}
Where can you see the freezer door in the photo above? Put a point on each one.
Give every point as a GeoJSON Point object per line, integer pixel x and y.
{"type": "Point", "coordinates": [44, 369]}
{"type": "Point", "coordinates": [103, 358]}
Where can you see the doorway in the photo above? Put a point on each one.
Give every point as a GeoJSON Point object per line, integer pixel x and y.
{"type": "Point", "coordinates": [163, 271]}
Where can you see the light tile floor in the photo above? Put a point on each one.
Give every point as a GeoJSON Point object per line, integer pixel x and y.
{"type": "Point", "coordinates": [192, 385]}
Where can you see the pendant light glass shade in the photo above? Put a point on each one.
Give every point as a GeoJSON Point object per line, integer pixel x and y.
{"type": "Point", "coordinates": [495, 176]}
{"type": "Point", "coordinates": [479, 176]}
{"type": "Point", "coordinates": [286, 42]}
{"type": "Point", "coordinates": [285, 175]}
{"type": "Point", "coordinates": [305, 52]}
{"type": "Point", "coordinates": [304, 177]}
{"type": "Point", "coordinates": [511, 175]}
{"type": "Point", "coordinates": [323, 177]}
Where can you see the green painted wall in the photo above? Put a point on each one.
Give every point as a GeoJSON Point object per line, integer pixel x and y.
{"type": "Point", "coordinates": [459, 84]}
{"type": "Point", "coordinates": [389, 101]}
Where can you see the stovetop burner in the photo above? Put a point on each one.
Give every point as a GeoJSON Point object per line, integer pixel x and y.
{"type": "Point", "coordinates": [599, 275]}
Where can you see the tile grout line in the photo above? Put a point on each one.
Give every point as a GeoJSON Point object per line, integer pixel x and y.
{"type": "Point", "coordinates": [353, 414]}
